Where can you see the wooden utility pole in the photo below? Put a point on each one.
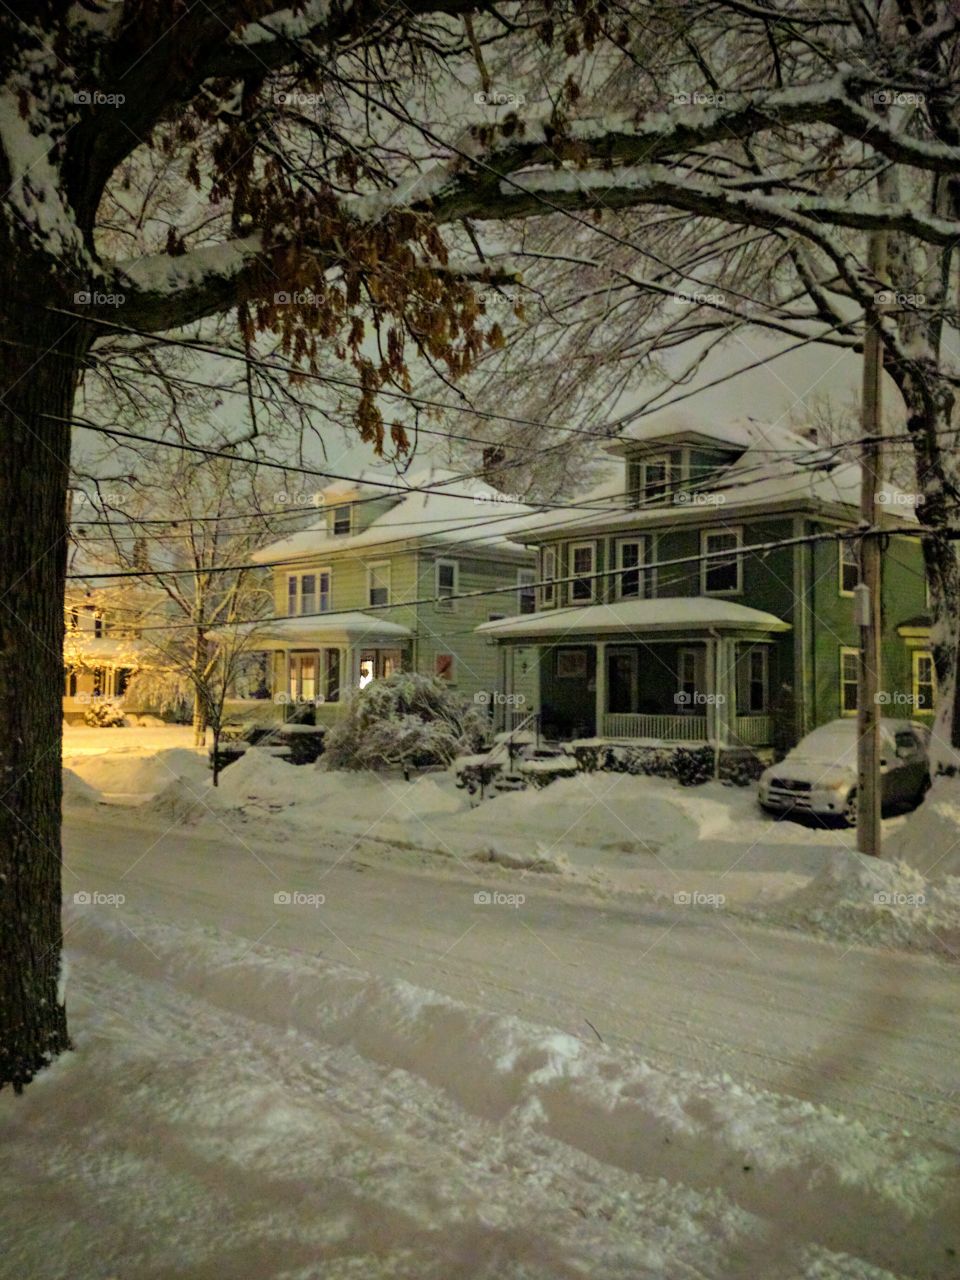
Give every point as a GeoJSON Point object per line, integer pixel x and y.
{"type": "Point", "coordinates": [868, 593]}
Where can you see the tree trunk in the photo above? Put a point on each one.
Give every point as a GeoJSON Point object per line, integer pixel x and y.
{"type": "Point", "coordinates": [200, 718]}
{"type": "Point", "coordinates": [39, 362]}
{"type": "Point", "coordinates": [930, 404]}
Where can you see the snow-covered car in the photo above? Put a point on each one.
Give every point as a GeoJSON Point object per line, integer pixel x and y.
{"type": "Point", "coordinates": [819, 776]}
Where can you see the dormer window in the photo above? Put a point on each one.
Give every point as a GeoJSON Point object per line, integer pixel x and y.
{"type": "Point", "coordinates": [653, 478]}
{"type": "Point", "coordinates": [340, 520]}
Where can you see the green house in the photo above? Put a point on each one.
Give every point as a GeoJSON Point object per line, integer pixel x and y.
{"type": "Point", "coordinates": [701, 594]}
{"type": "Point", "coordinates": [392, 578]}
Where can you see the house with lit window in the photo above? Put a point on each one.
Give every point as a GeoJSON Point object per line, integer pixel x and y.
{"type": "Point", "coordinates": [703, 592]}
{"type": "Point", "coordinates": [101, 650]}
{"type": "Point", "coordinates": [395, 574]}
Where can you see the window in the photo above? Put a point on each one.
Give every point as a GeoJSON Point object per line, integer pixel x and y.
{"type": "Point", "coordinates": [548, 575]}
{"type": "Point", "coordinates": [582, 566]}
{"type": "Point", "coordinates": [571, 664]}
{"type": "Point", "coordinates": [308, 593]}
{"type": "Point", "coordinates": [849, 681]}
{"type": "Point", "coordinates": [753, 681]}
{"type": "Point", "coordinates": [849, 565]}
{"type": "Point", "coordinates": [634, 582]}
{"type": "Point", "coordinates": [526, 593]}
{"type": "Point", "coordinates": [444, 667]}
{"type": "Point", "coordinates": [723, 575]}
{"type": "Point", "coordinates": [689, 669]}
{"type": "Point", "coordinates": [924, 681]}
{"type": "Point", "coordinates": [378, 583]}
{"type": "Point", "coordinates": [303, 677]}
{"type": "Point", "coordinates": [98, 624]}
{"type": "Point", "coordinates": [331, 675]}
{"type": "Point", "coordinates": [654, 477]}
{"type": "Point", "coordinates": [341, 521]}
{"type": "Point", "coordinates": [70, 680]}
{"type": "Point", "coordinates": [446, 583]}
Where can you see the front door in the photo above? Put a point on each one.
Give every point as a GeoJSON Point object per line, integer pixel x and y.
{"type": "Point", "coordinates": [303, 677]}
{"type": "Point", "coordinates": [622, 680]}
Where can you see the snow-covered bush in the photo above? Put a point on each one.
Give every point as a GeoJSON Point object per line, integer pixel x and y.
{"type": "Point", "coordinates": [104, 715]}
{"type": "Point", "coordinates": [405, 719]}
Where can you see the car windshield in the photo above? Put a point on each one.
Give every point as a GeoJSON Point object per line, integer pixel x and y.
{"type": "Point", "coordinates": [833, 744]}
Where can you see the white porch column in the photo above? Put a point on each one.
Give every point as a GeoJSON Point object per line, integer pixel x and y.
{"type": "Point", "coordinates": [726, 709]}
{"type": "Point", "coordinates": [601, 683]}
{"type": "Point", "coordinates": [712, 707]}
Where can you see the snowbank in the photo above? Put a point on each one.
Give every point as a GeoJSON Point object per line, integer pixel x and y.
{"type": "Point", "coordinates": [872, 900]}
{"type": "Point", "coordinates": [135, 771]}
{"type": "Point", "coordinates": [76, 792]}
{"type": "Point", "coordinates": [930, 838]}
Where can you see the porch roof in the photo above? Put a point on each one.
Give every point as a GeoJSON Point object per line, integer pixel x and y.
{"type": "Point", "coordinates": [300, 633]}
{"type": "Point", "coordinates": [678, 614]}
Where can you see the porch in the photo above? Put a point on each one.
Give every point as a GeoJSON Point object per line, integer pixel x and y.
{"type": "Point", "coordinates": [315, 662]}
{"type": "Point", "coordinates": [681, 671]}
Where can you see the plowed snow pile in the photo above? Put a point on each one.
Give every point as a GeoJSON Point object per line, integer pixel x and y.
{"type": "Point", "coordinates": [930, 838]}
{"type": "Point", "coordinates": [872, 900]}
{"type": "Point", "coordinates": [137, 774]}
{"type": "Point", "coordinates": [239, 1110]}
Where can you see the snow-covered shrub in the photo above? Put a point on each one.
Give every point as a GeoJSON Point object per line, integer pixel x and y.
{"type": "Point", "coordinates": [690, 766]}
{"type": "Point", "coordinates": [540, 773]}
{"type": "Point", "coordinates": [104, 715]}
{"type": "Point", "coordinates": [405, 719]}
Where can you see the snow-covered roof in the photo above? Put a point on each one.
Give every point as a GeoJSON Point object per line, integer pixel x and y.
{"type": "Point", "coordinates": [434, 505]}
{"type": "Point", "coordinates": [779, 470]}
{"type": "Point", "coordinates": [681, 422]}
{"type": "Point", "coordinates": [338, 628]}
{"type": "Point", "coordinates": [679, 613]}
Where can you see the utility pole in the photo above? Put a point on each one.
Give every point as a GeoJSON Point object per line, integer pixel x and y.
{"type": "Point", "coordinates": [868, 592]}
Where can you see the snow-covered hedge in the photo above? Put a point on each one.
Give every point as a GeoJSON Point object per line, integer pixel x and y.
{"type": "Point", "coordinates": [406, 719]}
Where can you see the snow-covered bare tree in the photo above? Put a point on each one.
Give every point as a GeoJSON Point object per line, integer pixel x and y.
{"type": "Point", "coordinates": [325, 175]}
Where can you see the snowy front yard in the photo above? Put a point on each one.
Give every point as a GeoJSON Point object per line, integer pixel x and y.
{"type": "Point", "coordinates": [338, 1026]}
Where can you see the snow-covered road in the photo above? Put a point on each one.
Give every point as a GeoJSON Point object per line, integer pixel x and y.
{"type": "Point", "coordinates": [869, 1032]}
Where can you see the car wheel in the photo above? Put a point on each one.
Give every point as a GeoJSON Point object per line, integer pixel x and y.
{"type": "Point", "coordinates": [850, 810]}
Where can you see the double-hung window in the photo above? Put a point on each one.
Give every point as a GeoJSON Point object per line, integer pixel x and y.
{"type": "Point", "coordinates": [526, 591]}
{"type": "Point", "coordinates": [308, 593]}
{"type": "Point", "coordinates": [583, 563]}
{"type": "Point", "coordinates": [848, 566]}
{"type": "Point", "coordinates": [924, 680]}
{"type": "Point", "coordinates": [447, 574]}
{"type": "Point", "coordinates": [634, 579]}
{"type": "Point", "coordinates": [721, 575]}
{"type": "Point", "coordinates": [378, 583]}
{"type": "Point", "coordinates": [548, 575]}
{"type": "Point", "coordinates": [849, 681]}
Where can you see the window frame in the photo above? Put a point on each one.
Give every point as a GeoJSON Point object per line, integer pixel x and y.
{"type": "Point", "coordinates": [590, 580]}
{"type": "Point", "coordinates": [548, 590]}
{"type": "Point", "coordinates": [334, 512]}
{"type": "Point", "coordinates": [644, 464]}
{"type": "Point", "coordinates": [916, 657]}
{"type": "Point", "coordinates": [322, 597]}
{"type": "Point", "coordinates": [446, 602]}
{"type": "Point", "coordinates": [695, 658]}
{"type": "Point", "coordinates": [568, 653]}
{"type": "Point", "coordinates": [844, 544]}
{"type": "Point", "coordinates": [526, 587]}
{"type": "Point", "coordinates": [644, 567]}
{"type": "Point", "coordinates": [708, 566]}
{"type": "Point", "coordinates": [848, 651]}
{"type": "Point", "coordinates": [372, 567]}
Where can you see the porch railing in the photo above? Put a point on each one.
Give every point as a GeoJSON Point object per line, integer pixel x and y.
{"type": "Point", "coordinates": [754, 731]}
{"type": "Point", "coordinates": [663, 728]}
